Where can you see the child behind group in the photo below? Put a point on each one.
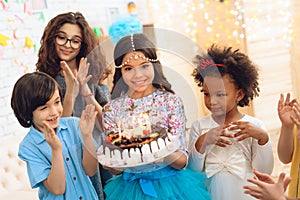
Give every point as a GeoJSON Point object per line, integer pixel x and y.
{"type": "Point", "coordinates": [228, 144]}
{"type": "Point", "coordinates": [102, 91]}
{"type": "Point", "coordinates": [289, 140]}
{"type": "Point", "coordinates": [59, 152]}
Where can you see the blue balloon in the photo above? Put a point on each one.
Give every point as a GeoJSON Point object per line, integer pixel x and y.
{"type": "Point", "coordinates": [123, 26]}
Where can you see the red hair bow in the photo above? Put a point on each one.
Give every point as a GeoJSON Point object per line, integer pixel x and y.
{"type": "Point", "coordinates": [204, 63]}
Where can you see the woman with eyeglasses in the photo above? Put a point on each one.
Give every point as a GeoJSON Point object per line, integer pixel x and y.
{"type": "Point", "coordinates": [70, 53]}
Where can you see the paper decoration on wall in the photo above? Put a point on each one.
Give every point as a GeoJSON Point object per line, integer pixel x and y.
{"type": "Point", "coordinates": [36, 47]}
{"type": "Point", "coordinates": [98, 31]}
{"type": "Point", "coordinates": [15, 34]}
{"type": "Point", "coordinates": [42, 16]}
{"type": "Point", "coordinates": [13, 44]}
{"type": "Point", "coordinates": [19, 61]}
{"type": "Point", "coordinates": [25, 67]}
{"type": "Point", "coordinates": [15, 60]}
{"type": "Point", "coordinates": [39, 4]}
{"type": "Point", "coordinates": [19, 18]}
{"type": "Point", "coordinates": [3, 39]}
{"type": "Point", "coordinates": [4, 4]}
{"type": "Point", "coordinates": [28, 7]}
{"type": "Point", "coordinates": [28, 42]}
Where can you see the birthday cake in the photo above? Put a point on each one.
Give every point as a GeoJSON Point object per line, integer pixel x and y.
{"type": "Point", "coordinates": [136, 146]}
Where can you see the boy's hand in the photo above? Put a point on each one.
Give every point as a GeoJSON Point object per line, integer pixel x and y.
{"type": "Point", "coordinates": [51, 137]}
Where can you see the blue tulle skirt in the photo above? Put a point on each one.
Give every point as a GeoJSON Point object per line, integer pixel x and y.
{"type": "Point", "coordinates": [163, 184]}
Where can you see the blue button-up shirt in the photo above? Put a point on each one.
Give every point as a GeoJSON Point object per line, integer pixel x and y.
{"type": "Point", "coordinates": [37, 153]}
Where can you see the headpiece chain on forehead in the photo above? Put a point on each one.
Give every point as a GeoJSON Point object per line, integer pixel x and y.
{"type": "Point", "coordinates": [135, 55]}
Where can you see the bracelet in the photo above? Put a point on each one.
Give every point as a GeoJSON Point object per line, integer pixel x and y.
{"type": "Point", "coordinates": [88, 95]}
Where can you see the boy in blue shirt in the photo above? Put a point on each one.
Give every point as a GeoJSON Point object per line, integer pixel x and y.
{"type": "Point", "coordinates": [59, 152]}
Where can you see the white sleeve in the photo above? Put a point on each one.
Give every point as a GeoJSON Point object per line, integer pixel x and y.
{"type": "Point", "coordinates": [262, 159]}
{"type": "Point", "coordinates": [196, 159]}
{"type": "Point", "coordinates": [262, 155]}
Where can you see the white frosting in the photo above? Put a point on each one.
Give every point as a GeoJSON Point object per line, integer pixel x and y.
{"type": "Point", "coordinates": [134, 157]}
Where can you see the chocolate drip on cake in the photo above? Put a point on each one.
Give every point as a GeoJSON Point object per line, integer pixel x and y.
{"type": "Point", "coordinates": [136, 149]}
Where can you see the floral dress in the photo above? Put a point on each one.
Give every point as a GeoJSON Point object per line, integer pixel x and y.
{"type": "Point", "coordinates": [155, 180]}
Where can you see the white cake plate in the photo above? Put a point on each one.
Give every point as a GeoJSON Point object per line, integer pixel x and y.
{"type": "Point", "coordinates": [113, 163]}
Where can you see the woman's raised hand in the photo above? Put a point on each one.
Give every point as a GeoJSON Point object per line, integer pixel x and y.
{"type": "Point", "coordinates": [83, 70]}
{"type": "Point", "coordinates": [83, 77]}
{"type": "Point", "coordinates": [87, 120]}
{"type": "Point", "coordinates": [72, 84]}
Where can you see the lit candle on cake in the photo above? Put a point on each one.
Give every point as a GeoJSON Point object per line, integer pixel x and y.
{"type": "Point", "coordinates": [119, 123]}
{"type": "Point", "coordinates": [144, 122]}
{"type": "Point", "coordinates": [133, 122]}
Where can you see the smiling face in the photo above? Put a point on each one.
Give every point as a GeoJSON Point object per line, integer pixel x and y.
{"type": "Point", "coordinates": [138, 74]}
{"type": "Point", "coordinates": [221, 96]}
{"type": "Point", "coordinates": [72, 32]}
{"type": "Point", "coordinates": [50, 112]}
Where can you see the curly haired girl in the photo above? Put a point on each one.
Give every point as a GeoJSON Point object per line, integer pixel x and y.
{"type": "Point", "coordinates": [228, 144]}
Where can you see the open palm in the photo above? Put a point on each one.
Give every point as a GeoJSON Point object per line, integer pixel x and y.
{"type": "Point", "coordinates": [70, 79]}
{"type": "Point", "coordinates": [285, 110]}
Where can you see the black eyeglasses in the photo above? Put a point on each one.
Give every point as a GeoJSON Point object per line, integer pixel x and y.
{"type": "Point", "coordinates": [61, 40]}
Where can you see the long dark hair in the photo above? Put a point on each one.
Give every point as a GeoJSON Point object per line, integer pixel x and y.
{"type": "Point", "coordinates": [31, 91]}
{"type": "Point", "coordinates": [48, 60]}
{"type": "Point", "coordinates": [143, 44]}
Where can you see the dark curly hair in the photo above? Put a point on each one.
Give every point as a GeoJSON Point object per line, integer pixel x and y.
{"type": "Point", "coordinates": [220, 61]}
{"type": "Point", "coordinates": [48, 60]}
{"type": "Point", "coordinates": [143, 44]}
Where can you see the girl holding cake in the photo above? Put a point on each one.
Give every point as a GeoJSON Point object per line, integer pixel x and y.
{"type": "Point", "coordinates": [228, 144]}
{"type": "Point", "coordinates": [141, 87]}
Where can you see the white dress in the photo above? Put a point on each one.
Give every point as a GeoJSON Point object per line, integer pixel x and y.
{"type": "Point", "coordinates": [227, 168]}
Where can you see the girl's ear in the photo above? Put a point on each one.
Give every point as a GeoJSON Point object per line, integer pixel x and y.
{"type": "Point", "coordinates": [240, 94]}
